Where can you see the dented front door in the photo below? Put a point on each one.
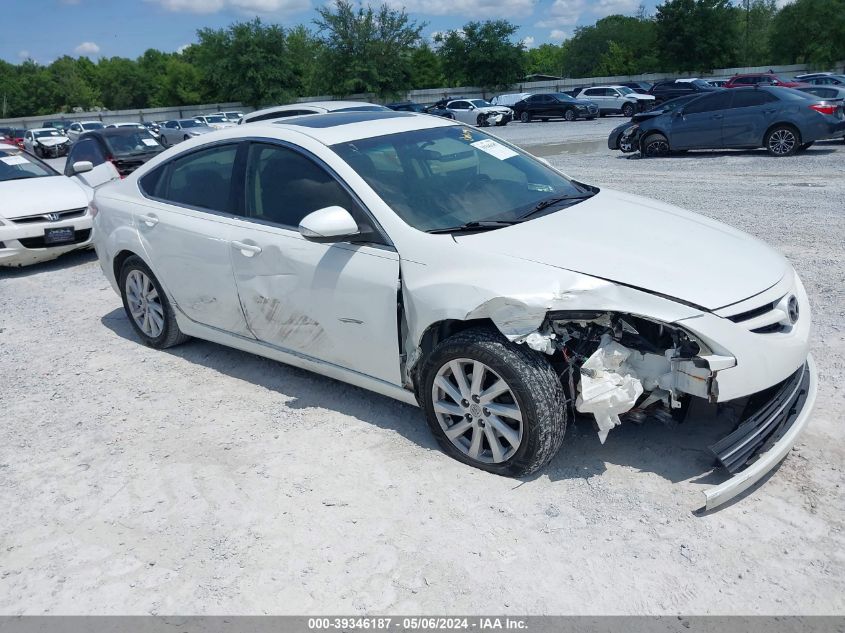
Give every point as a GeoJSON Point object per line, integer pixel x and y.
{"type": "Point", "coordinates": [333, 302]}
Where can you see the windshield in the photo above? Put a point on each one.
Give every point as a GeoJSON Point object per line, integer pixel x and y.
{"type": "Point", "coordinates": [701, 84]}
{"type": "Point", "coordinates": [445, 177]}
{"type": "Point", "coordinates": [140, 142]}
{"type": "Point", "coordinates": [480, 103]}
{"type": "Point", "coordinates": [625, 90]}
{"type": "Point", "coordinates": [92, 126]}
{"type": "Point", "coordinates": [45, 133]}
{"type": "Point", "coordinates": [215, 119]}
{"type": "Point", "coordinates": [367, 108]}
{"type": "Point", "coordinates": [15, 165]}
{"type": "Point", "coordinates": [190, 123]}
{"type": "Point", "coordinates": [18, 133]}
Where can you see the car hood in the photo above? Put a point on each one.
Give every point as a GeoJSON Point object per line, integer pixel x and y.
{"type": "Point", "coordinates": [496, 109]}
{"type": "Point", "coordinates": [49, 141]}
{"type": "Point", "coordinates": [645, 244]}
{"type": "Point", "coordinates": [582, 102]}
{"type": "Point", "coordinates": [33, 196]}
{"type": "Point", "coordinates": [640, 97]}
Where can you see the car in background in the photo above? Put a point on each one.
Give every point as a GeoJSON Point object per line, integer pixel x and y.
{"type": "Point", "coordinates": [828, 92]}
{"type": "Point", "coordinates": [61, 125]}
{"type": "Point", "coordinates": [782, 120]}
{"type": "Point", "coordinates": [638, 86]}
{"type": "Point", "coordinates": [619, 137]}
{"type": "Point", "coordinates": [406, 106]}
{"type": "Point", "coordinates": [616, 99]}
{"type": "Point", "coordinates": [478, 112]}
{"type": "Point", "coordinates": [717, 83]}
{"type": "Point", "coordinates": [43, 214]}
{"type": "Point", "coordinates": [554, 105]}
{"type": "Point", "coordinates": [312, 107]}
{"type": "Point", "coordinates": [126, 124]}
{"type": "Point", "coordinates": [509, 99]}
{"type": "Point", "coordinates": [215, 121]}
{"type": "Point", "coordinates": [78, 128]}
{"type": "Point", "coordinates": [16, 136]}
{"type": "Point", "coordinates": [234, 117]}
{"type": "Point", "coordinates": [46, 142]}
{"type": "Point", "coordinates": [152, 127]}
{"type": "Point", "coordinates": [112, 153]}
{"type": "Point", "coordinates": [822, 79]}
{"type": "Point", "coordinates": [178, 130]}
{"type": "Point", "coordinates": [761, 79]}
{"type": "Point", "coordinates": [443, 267]}
{"type": "Point", "coordinates": [672, 88]}
{"type": "Point", "coordinates": [6, 136]}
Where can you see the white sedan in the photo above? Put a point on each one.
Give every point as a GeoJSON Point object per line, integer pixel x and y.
{"type": "Point", "coordinates": [479, 112]}
{"type": "Point", "coordinates": [43, 214]}
{"type": "Point", "coordinates": [436, 264]}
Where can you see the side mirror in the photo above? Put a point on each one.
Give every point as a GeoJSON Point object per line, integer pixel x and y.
{"type": "Point", "coordinates": [82, 166]}
{"type": "Point", "coordinates": [327, 225]}
{"type": "Point", "coordinates": [471, 107]}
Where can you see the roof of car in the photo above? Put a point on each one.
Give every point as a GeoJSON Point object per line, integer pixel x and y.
{"type": "Point", "coordinates": [111, 131]}
{"type": "Point", "coordinates": [328, 106]}
{"type": "Point", "coordinates": [43, 129]}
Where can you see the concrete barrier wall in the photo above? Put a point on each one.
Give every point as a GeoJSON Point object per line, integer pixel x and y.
{"type": "Point", "coordinates": [420, 96]}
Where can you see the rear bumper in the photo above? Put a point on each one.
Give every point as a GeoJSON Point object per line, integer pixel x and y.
{"type": "Point", "coordinates": [761, 441]}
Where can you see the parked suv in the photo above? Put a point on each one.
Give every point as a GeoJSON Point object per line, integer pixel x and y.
{"type": "Point", "coordinates": [554, 105]}
{"type": "Point", "coordinates": [673, 88]}
{"type": "Point", "coordinates": [616, 99]}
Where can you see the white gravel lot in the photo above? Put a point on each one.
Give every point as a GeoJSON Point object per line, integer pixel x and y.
{"type": "Point", "coordinates": [203, 480]}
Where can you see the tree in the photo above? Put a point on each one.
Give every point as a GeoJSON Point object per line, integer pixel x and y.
{"type": "Point", "coordinates": [121, 84]}
{"type": "Point", "coordinates": [614, 45]}
{"type": "Point", "coordinates": [366, 50]}
{"type": "Point", "coordinates": [482, 54]}
{"type": "Point", "coordinates": [426, 71]}
{"type": "Point", "coordinates": [303, 51]}
{"type": "Point", "coordinates": [245, 62]}
{"type": "Point", "coordinates": [809, 31]}
{"type": "Point", "coordinates": [697, 34]}
{"type": "Point", "coordinates": [755, 25]}
{"type": "Point", "coordinates": [546, 59]}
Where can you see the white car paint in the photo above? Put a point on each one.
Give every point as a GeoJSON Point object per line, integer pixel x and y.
{"type": "Point", "coordinates": [46, 141]}
{"type": "Point", "coordinates": [509, 99]}
{"type": "Point", "coordinates": [214, 121]}
{"type": "Point", "coordinates": [78, 128]}
{"type": "Point", "coordinates": [331, 307]}
{"type": "Point", "coordinates": [614, 99]}
{"type": "Point", "coordinates": [309, 107]}
{"type": "Point", "coordinates": [178, 130]}
{"type": "Point", "coordinates": [478, 112]}
{"type": "Point", "coordinates": [26, 206]}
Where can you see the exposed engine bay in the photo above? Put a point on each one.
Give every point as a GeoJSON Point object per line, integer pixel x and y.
{"type": "Point", "coordinates": [621, 367]}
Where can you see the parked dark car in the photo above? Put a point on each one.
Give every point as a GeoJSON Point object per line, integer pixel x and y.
{"type": "Point", "coordinates": [829, 92]}
{"type": "Point", "coordinates": [822, 79]}
{"type": "Point", "coordinates": [761, 79]}
{"type": "Point", "coordinates": [406, 106]}
{"type": "Point", "coordinates": [124, 147]}
{"type": "Point", "coordinates": [619, 138]}
{"type": "Point", "coordinates": [782, 120]}
{"type": "Point", "coordinates": [554, 105]}
{"type": "Point", "coordinates": [16, 136]}
{"type": "Point", "coordinates": [642, 87]}
{"type": "Point", "coordinates": [672, 88]}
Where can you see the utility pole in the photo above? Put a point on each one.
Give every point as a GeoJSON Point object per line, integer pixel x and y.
{"type": "Point", "coordinates": [747, 4]}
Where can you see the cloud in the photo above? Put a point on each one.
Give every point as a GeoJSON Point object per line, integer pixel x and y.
{"type": "Point", "coordinates": [477, 9]}
{"type": "Point", "coordinates": [87, 48]}
{"type": "Point", "coordinates": [603, 8]}
{"type": "Point", "coordinates": [24, 54]}
{"type": "Point", "coordinates": [558, 34]}
{"type": "Point", "coordinates": [183, 48]}
{"type": "Point", "coordinates": [528, 41]}
{"type": "Point", "coordinates": [562, 13]}
{"type": "Point", "coordinates": [247, 6]}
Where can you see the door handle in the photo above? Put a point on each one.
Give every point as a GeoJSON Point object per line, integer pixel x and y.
{"type": "Point", "coordinates": [247, 250]}
{"type": "Point", "coordinates": [150, 220]}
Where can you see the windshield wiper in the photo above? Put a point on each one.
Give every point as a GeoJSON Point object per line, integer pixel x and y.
{"type": "Point", "coordinates": [550, 202]}
{"type": "Point", "coordinates": [480, 225]}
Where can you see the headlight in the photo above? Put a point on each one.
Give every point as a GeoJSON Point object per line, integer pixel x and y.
{"type": "Point", "coordinates": [581, 107]}
{"type": "Point", "coordinates": [630, 130]}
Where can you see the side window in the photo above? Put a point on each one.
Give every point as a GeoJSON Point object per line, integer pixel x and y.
{"type": "Point", "coordinates": [283, 186]}
{"type": "Point", "coordinates": [592, 92]}
{"type": "Point", "coordinates": [533, 100]}
{"type": "Point", "coordinates": [458, 105]}
{"type": "Point", "coordinates": [709, 103]}
{"type": "Point", "coordinates": [171, 125]}
{"type": "Point", "coordinates": [201, 179]}
{"type": "Point", "coordinates": [751, 98]}
{"type": "Point", "coordinates": [86, 149]}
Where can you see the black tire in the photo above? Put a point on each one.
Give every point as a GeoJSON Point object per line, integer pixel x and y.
{"type": "Point", "coordinates": [591, 118]}
{"type": "Point", "coordinates": [655, 145]}
{"type": "Point", "coordinates": [544, 120]}
{"type": "Point", "coordinates": [570, 115]}
{"type": "Point", "coordinates": [535, 387]}
{"type": "Point", "coordinates": [170, 334]}
{"type": "Point", "coordinates": [186, 137]}
{"type": "Point", "coordinates": [628, 110]}
{"type": "Point", "coordinates": [525, 117]}
{"type": "Point", "coordinates": [38, 152]}
{"type": "Point", "coordinates": [806, 146]}
{"type": "Point", "coordinates": [163, 140]}
{"type": "Point", "coordinates": [782, 140]}
{"type": "Point", "coordinates": [602, 115]}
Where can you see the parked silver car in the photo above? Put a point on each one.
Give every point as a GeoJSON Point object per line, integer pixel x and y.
{"type": "Point", "coordinates": [179, 130]}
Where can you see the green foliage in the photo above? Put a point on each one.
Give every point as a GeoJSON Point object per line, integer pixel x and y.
{"type": "Point", "coordinates": [755, 25]}
{"type": "Point", "coordinates": [809, 31]}
{"type": "Point", "coordinates": [615, 45]}
{"type": "Point", "coordinates": [365, 50]}
{"type": "Point", "coordinates": [697, 34]}
{"type": "Point", "coordinates": [546, 59]}
{"type": "Point", "coordinates": [482, 54]}
{"type": "Point", "coordinates": [426, 71]}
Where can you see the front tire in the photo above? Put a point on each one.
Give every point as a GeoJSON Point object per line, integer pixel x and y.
{"type": "Point", "coordinates": [655, 145]}
{"type": "Point", "coordinates": [147, 306]}
{"type": "Point", "coordinates": [493, 404]}
{"type": "Point", "coordinates": [782, 140]}
{"type": "Point", "coordinates": [525, 117]}
{"type": "Point", "coordinates": [570, 115]}
{"type": "Point", "coordinates": [628, 110]}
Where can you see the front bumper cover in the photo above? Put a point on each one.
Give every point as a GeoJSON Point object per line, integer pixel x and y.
{"type": "Point", "coordinates": [762, 440]}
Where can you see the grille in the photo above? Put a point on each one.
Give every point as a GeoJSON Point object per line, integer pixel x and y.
{"type": "Point", "coordinates": [768, 318]}
{"type": "Point", "coordinates": [38, 242]}
{"type": "Point", "coordinates": [63, 215]}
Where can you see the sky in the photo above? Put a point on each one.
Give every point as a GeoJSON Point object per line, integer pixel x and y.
{"type": "Point", "coordinates": [44, 30]}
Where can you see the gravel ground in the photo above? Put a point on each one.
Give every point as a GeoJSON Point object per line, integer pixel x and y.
{"type": "Point", "coordinates": [204, 480]}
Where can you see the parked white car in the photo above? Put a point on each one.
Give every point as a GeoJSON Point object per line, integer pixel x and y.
{"type": "Point", "coordinates": [479, 112]}
{"type": "Point", "coordinates": [436, 264]}
{"type": "Point", "coordinates": [42, 213]}
{"type": "Point", "coordinates": [616, 99]}
{"type": "Point", "coordinates": [214, 121]}
{"type": "Point", "coordinates": [173, 132]}
{"type": "Point", "coordinates": [233, 117]}
{"type": "Point", "coordinates": [46, 142]}
{"type": "Point", "coordinates": [129, 124]}
{"type": "Point", "coordinates": [509, 99]}
{"type": "Point", "coordinates": [78, 128]}
{"type": "Point", "coordinates": [311, 107]}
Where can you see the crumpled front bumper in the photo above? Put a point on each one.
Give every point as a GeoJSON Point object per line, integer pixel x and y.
{"type": "Point", "coordinates": [762, 440]}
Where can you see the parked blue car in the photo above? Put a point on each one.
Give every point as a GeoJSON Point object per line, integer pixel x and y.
{"type": "Point", "coordinates": [782, 120]}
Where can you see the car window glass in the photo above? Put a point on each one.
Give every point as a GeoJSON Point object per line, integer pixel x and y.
{"type": "Point", "coordinates": [136, 142]}
{"type": "Point", "coordinates": [593, 92]}
{"type": "Point", "coordinates": [748, 98]}
{"type": "Point", "coordinates": [459, 105]}
{"type": "Point", "coordinates": [283, 186]}
{"type": "Point", "coordinates": [201, 179]}
{"type": "Point", "coordinates": [708, 103]}
{"type": "Point", "coordinates": [86, 149]}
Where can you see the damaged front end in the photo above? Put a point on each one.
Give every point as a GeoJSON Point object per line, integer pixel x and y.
{"type": "Point", "coordinates": [620, 365]}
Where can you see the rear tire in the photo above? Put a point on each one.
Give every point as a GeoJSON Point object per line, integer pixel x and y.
{"type": "Point", "coordinates": [147, 306]}
{"type": "Point", "coordinates": [782, 140]}
{"type": "Point", "coordinates": [525, 117]}
{"type": "Point", "coordinates": [655, 145]}
{"type": "Point", "coordinates": [163, 140]}
{"type": "Point", "coordinates": [515, 401]}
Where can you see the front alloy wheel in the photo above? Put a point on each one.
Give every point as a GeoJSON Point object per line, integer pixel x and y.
{"type": "Point", "coordinates": [570, 115]}
{"type": "Point", "coordinates": [525, 117]}
{"type": "Point", "coordinates": [782, 141]}
{"type": "Point", "coordinates": [628, 110]}
{"type": "Point", "coordinates": [655, 145]}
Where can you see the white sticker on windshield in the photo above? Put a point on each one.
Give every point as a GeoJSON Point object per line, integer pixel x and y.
{"type": "Point", "coordinates": [149, 141]}
{"type": "Point", "coordinates": [495, 149]}
{"type": "Point", "coordinates": [14, 160]}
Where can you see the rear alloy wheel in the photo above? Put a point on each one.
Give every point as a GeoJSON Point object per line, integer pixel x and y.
{"type": "Point", "coordinates": [655, 145]}
{"type": "Point", "coordinates": [147, 306]}
{"type": "Point", "coordinates": [569, 115]}
{"type": "Point", "coordinates": [525, 117]}
{"type": "Point", "coordinates": [782, 141]}
{"type": "Point", "coordinates": [493, 404]}
{"type": "Point", "coordinates": [628, 110]}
